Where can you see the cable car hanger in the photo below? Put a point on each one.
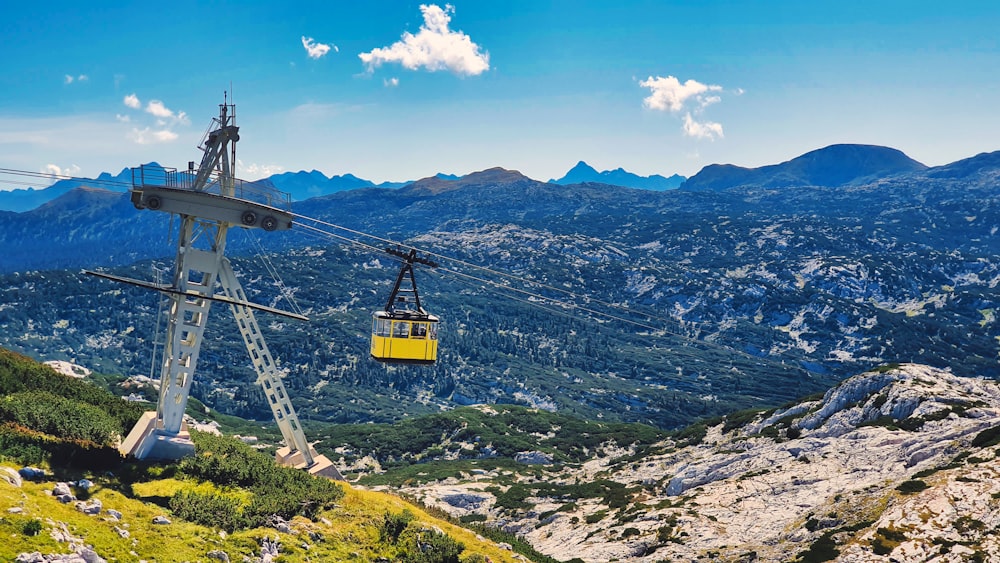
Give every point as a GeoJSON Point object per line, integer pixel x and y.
{"type": "Point", "coordinates": [409, 258]}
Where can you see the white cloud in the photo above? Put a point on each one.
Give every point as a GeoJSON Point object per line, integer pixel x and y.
{"type": "Point", "coordinates": [132, 101]}
{"type": "Point", "coordinates": [122, 118]}
{"type": "Point", "coordinates": [434, 47]}
{"type": "Point", "coordinates": [390, 82]}
{"type": "Point", "coordinates": [58, 171]}
{"type": "Point", "coordinates": [83, 78]}
{"type": "Point", "coordinates": [668, 93]}
{"type": "Point", "coordinates": [257, 171]}
{"type": "Point", "coordinates": [701, 130]}
{"type": "Point", "coordinates": [165, 116]}
{"type": "Point", "coordinates": [157, 108]}
{"type": "Point", "coordinates": [149, 136]}
{"type": "Point", "coordinates": [68, 79]}
{"type": "Point", "coordinates": [316, 50]}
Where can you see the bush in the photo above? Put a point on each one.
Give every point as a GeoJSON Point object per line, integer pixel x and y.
{"type": "Point", "coordinates": [276, 490]}
{"type": "Point", "coordinates": [32, 527]}
{"type": "Point", "coordinates": [912, 486]}
{"type": "Point", "coordinates": [823, 549]}
{"type": "Point", "coordinates": [987, 438]}
{"type": "Point", "coordinates": [31, 447]}
{"type": "Point", "coordinates": [432, 546]}
{"type": "Point", "coordinates": [63, 418]}
{"type": "Point", "coordinates": [212, 510]}
{"type": "Point", "coordinates": [392, 526]}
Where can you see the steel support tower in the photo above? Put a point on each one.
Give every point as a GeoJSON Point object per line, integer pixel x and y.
{"type": "Point", "coordinates": [210, 200]}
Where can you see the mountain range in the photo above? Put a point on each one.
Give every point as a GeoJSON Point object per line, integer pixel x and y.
{"type": "Point", "coordinates": [304, 185]}
{"type": "Point", "coordinates": [634, 305]}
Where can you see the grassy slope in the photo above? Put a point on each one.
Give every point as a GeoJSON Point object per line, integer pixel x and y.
{"type": "Point", "coordinates": [350, 530]}
{"type": "Point", "coordinates": [350, 534]}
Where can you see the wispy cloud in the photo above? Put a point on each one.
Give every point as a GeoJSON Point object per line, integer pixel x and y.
{"type": "Point", "coordinates": [167, 117]}
{"type": "Point", "coordinates": [315, 49]}
{"type": "Point", "coordinates": [691, 97]}
{"type": "Point", "coordinates": [701, 130]}
{"type": "Point", "coordinates": [434, 47]}
{"type": "Point", "coordinates": [256, 171]}
{"type": "Point", "coordinates": [390, 82]}
{"type": "Point", "coordinates": [69, 78]}
{"type": "Point", "coordinates": [57, 171]}
{"type": "Point", "coordinates": [148, 136]}
{"type": "Point", "coordinates": [166, 121]}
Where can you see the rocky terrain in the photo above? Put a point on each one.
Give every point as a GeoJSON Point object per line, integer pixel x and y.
{"type": "Point", "coordinates": [777, 286]}
{"type": "Point", "coordinates": [896, 464]}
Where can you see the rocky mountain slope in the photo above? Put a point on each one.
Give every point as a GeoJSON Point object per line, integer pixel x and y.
{"type": "Point", "coordinates": [896, 464]}
{"type": "Point", "coordinates": [748, 296]}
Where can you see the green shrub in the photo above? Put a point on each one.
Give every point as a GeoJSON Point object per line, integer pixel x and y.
{"type": "Point", "coordinates": [32, 527]}
{"type": "Point", "coordinates": [432, 546]}
{"type": "Point", "coordinates": [912, 486]}
{"type": "Point", "coordinates": [60, 417]}
{"type": "Point", "coordinates": [987, 438]}
{"type": "Point", "coordinates": [212, 510]}
{"type": "Point", "coordinates": [823, 549]}
{"type": "Point", "coordinates": [28, 446]}
{"type": "Point", "coordinates": [277, 490]}
{"type": "Point", "coordinates": [392, 526]}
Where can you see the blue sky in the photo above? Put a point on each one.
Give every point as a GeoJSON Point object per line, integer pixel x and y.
{"type": "Point", "coordinates": [400, 90]}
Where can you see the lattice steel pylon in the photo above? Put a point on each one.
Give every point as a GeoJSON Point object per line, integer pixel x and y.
{"type": "Point", "coordinates": [209, 200]}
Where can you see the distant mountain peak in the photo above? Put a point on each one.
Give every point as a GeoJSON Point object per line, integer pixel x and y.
{"type": "Point", "coordinates": [490, 176]}
{"type": "Point", "coordinates": [832, 166]}
{"type": "Point", "coordinates": [583, 173]}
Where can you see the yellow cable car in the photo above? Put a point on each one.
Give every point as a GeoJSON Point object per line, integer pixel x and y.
{"type": "Point", "coordinates": [399, 334]}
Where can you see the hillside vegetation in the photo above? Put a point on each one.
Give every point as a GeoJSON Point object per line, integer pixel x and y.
{"type": "Point", "coordinates": [227, 502]}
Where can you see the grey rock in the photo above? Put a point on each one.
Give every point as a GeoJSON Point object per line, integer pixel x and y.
{"type": "Point", "coordinates": [466, 501]}
{"type": "Point", "coordinates": [219, 555]}
{"type": "Point", "coordinates": [92, 507]}
{"type": "Point", "coordinates": [533, 458]}
{"type": "Point", "coordinates": [161, 520]}
{"type": "Point", "coordinates": [61, 489]}
{"type": "Point", "coordinates": [31, 472]}
{"type": "Point", "coordinates": [11, 476]}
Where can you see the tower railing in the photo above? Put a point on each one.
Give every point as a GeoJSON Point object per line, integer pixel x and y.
{"type": "Point", "coordinates": [155, 176]}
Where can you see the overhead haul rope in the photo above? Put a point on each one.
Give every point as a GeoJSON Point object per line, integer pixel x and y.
{"type": "Point", "coordinates": [468, 278]}
{"type": "Point", "coordinates": [458, 261]}
{"type": "Point", "coordinates": [483, 281]}
{"type": "Point", "coordinates": [317, 231]}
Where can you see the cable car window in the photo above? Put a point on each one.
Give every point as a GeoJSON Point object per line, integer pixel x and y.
{"type": "Point", "coordinates": [381, 327]}
{"type": "Point", "coordinates": [400, 329]}
{"type": "Point", "coordinates": [433, 331]}
{"type": "Point", "coordinates": [419, 330]}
